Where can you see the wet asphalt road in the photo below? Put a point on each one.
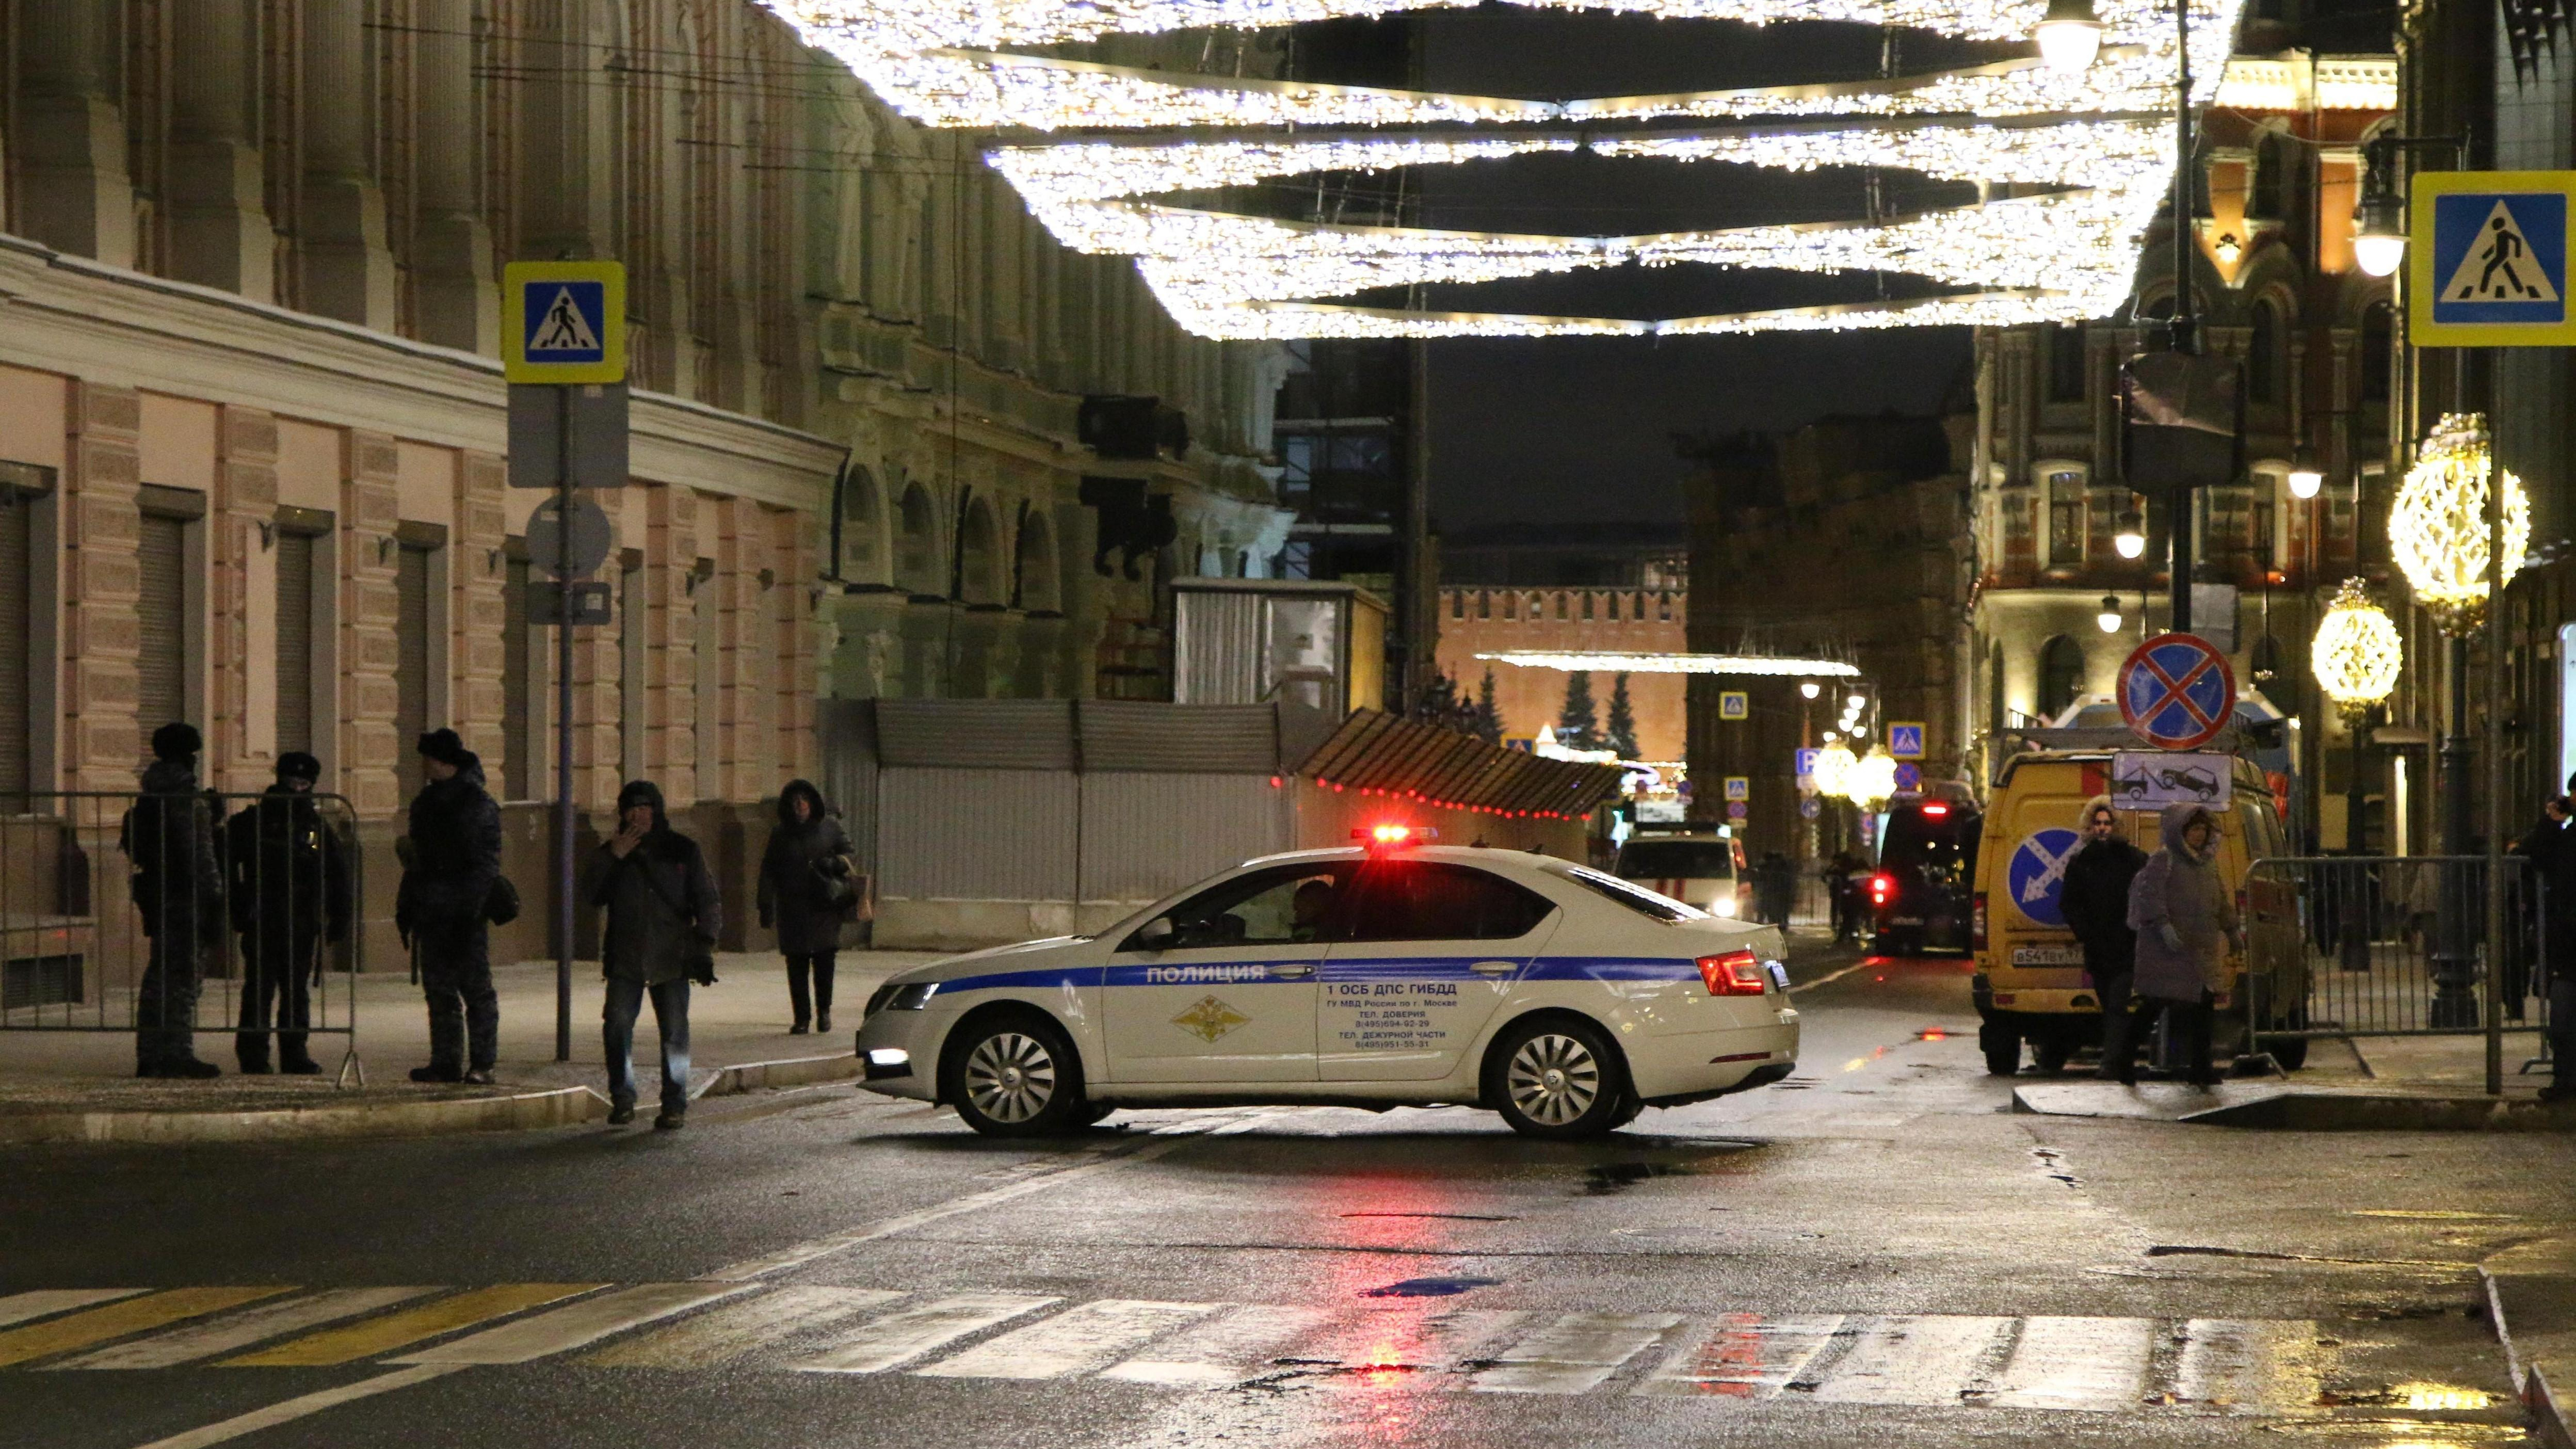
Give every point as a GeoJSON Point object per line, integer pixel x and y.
{"type": "Point", "coordinates": [1872, 1252]}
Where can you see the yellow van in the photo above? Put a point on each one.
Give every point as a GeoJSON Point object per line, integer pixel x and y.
{"type": "Point", "coordinates": [2030, 984]}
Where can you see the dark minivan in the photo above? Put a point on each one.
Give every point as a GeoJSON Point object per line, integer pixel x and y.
{"type": "Point", "coordinates": [1921, 894]}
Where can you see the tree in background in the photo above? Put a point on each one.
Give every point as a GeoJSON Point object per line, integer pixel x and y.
{"type": "Point", "coordinates": [1577, 727]}
{"type": "Point", "coordinates": [1444, 706]}
{"type": "Point", "coordinates": [1622, 728]}
{"type": "Point", "coordinates": [1489, 715]}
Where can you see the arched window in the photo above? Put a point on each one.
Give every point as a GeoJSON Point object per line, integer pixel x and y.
{"type": "Point", "coordinates": [2378, 334]}
{"type": "Point", "coordinates": [2263, 354]}
{"type": "Point", "coordinates": [2061, 675]}
{"type": "Point", "coordinates": [916, 562]}
{"type": "Point", "coordinates": [859, 523]}
{"type": "Point", "coordinates": [978, 554]}
{"type": "Point", "coordinates": [1038, 585]}
{"type": "Point", "coordinates": [2066, 517]}
{"type": "Point", "coordinates": [2066, 364]}
{"type": "Point", "coordinates": [2270, 200]}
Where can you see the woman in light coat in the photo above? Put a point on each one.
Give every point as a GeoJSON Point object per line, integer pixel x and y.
{"type": "Point", "coordinates": [2185, 917]}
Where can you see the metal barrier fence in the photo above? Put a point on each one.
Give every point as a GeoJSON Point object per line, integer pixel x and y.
{"type": "Point", "coordinates": [2390, 946]}
{"type": "Point", "coordinates": [214, 913]}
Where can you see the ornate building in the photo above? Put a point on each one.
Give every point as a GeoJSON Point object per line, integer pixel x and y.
{"type": "Point", "coordinates": [252, 419]}
{"type": "Point", "coordinates": [2276, 286]}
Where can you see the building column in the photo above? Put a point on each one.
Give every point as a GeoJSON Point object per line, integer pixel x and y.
{"type": "Point", "coordinates": [476, 577]}
{"type": "Point", "coordinates": [73, 193]}
{"type": "Point", "coordinates": [101, 583]}
{"type": "Point", "coordinates": [218, 208]}
{"type": "Point", "coordinates": [454, 301]}
{"type": "Point", "coordinates": [348, 269]}
{"type": "Point", "coordinates": [377, 771]}
{"type": "Point", "coordinates": [241, 614]}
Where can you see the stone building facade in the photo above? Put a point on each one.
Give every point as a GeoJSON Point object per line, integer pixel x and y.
{"type": "Point", "coordinates": [252, 422]}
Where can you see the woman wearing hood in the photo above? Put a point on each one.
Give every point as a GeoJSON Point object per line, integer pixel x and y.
{"type": "Point", "coordinates": [2185, 917]}
{"type": "Point", "coordinates": [663, 920]}
{"type": "Point", "coordinates": [807, 885]}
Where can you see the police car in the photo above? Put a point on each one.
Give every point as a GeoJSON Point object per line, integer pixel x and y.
{"type": "Point", "coordinates": [1396, 973]}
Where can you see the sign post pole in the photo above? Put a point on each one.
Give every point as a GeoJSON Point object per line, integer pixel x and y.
{"type": "Point", "coordinates": [567, 332]}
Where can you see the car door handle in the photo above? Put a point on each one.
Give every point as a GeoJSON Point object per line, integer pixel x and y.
{"type": "Point", "coordinates": [1495, 968]}
{"type": "Point", "coordinates": [1297, 970]}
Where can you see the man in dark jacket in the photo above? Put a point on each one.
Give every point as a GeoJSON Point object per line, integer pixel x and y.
{"type": "Point", "coordinates": [2095, 901]}
{"type": "Point", "coordinates": [805, 866]}
{"type": "Point", "coordinates": [179, 887]}
{"type": "Point", "coordinates": [2550, 845]}
{"type": "Point", "coordinates": [287, 871]}
{"type": "Point", "coordinates": [446, 890]}
{"type": "Point", "coordinates": [663, 921]}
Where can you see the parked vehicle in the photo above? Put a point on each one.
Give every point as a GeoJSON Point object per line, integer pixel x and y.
{"type": "Point", "coordinates": [1921, 894]}
{"type": "Point", "coordinates": [1706, 871]}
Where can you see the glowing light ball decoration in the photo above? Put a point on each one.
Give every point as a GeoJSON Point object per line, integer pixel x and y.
{"type": "Point", "coordinates": [1833, 770]}
{"type": "Point", "coordinates": [2438, 525]}
{"type": "Point", "coordinates": [1871, 780]}
{"type": "Point", "coordinates": [2357, 653]}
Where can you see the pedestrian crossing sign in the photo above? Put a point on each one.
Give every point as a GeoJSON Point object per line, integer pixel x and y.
{"type": "Point", "coordinates": [1734, 704]}
{"type": "Point", "coordinates": [563, 322]}
{"type": "Point", "coordinates": [2488, 259]}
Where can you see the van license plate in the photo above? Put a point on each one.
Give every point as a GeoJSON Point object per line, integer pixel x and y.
{"type": "Point", "coordinates": [2048, 956]}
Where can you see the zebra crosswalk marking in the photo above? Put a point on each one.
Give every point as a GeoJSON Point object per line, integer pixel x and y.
{"type": "Point", "coordinates": [2253, 1366]}
{"type": "Point", "coordinates": [576, 1325]}
{"type": "Point", "coordinates": [2098, 1364]}
{"type": "Point", "coordinates": [1386, 1345]}
{"type": "Point", "coordinates": [121, 1319]}
{"type": "Point", "coordinates": [434, 1319]}
{"type": "Point", "coordinates": [1743, 1356]}
{"type": "Point", "coordinates": [44, 1302]}
{"type": "Point", "coordinates": [1912, 1359]}
{"type": "Point", "coordinates": [1075, 1341]}
{"type": "Point", "coordinates": [901, 1337]}
{"type": "Point", "coordinates": [721, 1335]}
{"type": "Point", "coordinates": [1225, 1351]}
{"type": "Point", "coordinates": [192, 1341]}
{"type": "Point", "coordinates": [1574, 1353]}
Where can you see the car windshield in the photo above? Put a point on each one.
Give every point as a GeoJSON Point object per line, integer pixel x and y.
{"type": "Point", "coordinates": [1676, 860]}
{"type": "Point", "coordinates": [1933, 846]}
{"type": "Point", "coordinates": [1643, 902]}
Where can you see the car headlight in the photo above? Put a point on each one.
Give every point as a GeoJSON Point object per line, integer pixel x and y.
{"type": "Point", "coordinates": [1723, 904]}
{"type": "Point", "coordinates": [910, 997]}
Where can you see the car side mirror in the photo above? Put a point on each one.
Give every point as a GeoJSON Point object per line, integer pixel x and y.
{"type": "Point", "coordinates": [1157, 934]}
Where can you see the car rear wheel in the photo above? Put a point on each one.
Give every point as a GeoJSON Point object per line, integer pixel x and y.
{"type": "Point", "coordinates": [1013, 1074]}
{"type": "Point", "coordinates": [2002, 1046]}
{"type": "Point", "coordinates": [2051, 1056]}
{"type": "Point", "coordinates": [1557, 1078]}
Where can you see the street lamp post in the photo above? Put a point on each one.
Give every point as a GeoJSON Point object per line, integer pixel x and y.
{"type": "Point", "coordinates": [2356, 658]}
{"type": "Point", "coordinates": [2443, 539]}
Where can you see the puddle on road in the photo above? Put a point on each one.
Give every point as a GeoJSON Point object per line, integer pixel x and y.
{"type": "Point", "coordinates": [2403, 1433]}
{"type": "Point", "coordinates": [1428, 1287]}
{"type": "Point", "coordinates": [1444, 1217]}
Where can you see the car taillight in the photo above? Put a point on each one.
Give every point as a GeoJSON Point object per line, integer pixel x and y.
{"type": "Point", "coordinates": [1977, 923]}
{"type": "Point", "coordinates": [1881, 888]}
{"type": "Point", "coordinates": [1737, 973]}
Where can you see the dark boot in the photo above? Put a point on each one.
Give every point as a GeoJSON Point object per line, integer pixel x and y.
{"type": "Point", "coordinates": [436, 1073]}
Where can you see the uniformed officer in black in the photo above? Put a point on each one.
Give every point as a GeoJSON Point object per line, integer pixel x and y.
{"type": "Point", "coordinates": [289, 883]}
{"type": "Point", "coordinates": [178, 887]}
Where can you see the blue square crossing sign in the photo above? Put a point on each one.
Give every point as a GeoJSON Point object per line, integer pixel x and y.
{"type": "Point", "coordinates": [2488, 259]}
{"type": "Point", "coordinates": [564, 322]}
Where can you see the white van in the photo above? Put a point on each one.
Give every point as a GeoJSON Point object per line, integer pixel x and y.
{"type": "Point", "coordinates": [1706, 871]}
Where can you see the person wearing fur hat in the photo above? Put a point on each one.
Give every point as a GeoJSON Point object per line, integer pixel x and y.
{"type": "Point", "coordinates": [663, 920]}
{"type": "Point", "coordinates": [2185, 917]}
{"type": "Point", "coordinates": [2095, 902]}
{"type": "Point", "coordinates": [287, 871]}
{"type": "Point", "coordinates": [442, 909]}
{"type": "Point", "coordinates": [178, 886]}
{"type": "Point", "coordinates": [807, 885]}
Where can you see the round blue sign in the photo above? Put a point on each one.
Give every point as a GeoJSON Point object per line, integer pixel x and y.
{"type": "Point", "coordinates": [2177, 692]}
{"type": "Point", "coordinates": [2036, 875]}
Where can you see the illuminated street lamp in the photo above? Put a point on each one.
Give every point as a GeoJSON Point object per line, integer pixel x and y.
{"type": "Point", "coordinates": [2131, 540]}
{"type": "Point", "coordinates": [1871, 781]}
{"type": "Point", "coordinates": [2438, 532]}
{"type": "Point", "coordinates": [2069, 36]}
{"type": "Point", "coordinates": [1833, 769]}
{"type": "Point", "coordinates": [2379, 225]}
{"type": "Point", "coordinates": [1810, 688]}
{"type": "Point", "coordinates": [2305, 476]}
{"type": "Point", "coordinates": [1856, 701]}
{"type": "Point", "coordinates": [2109, 618]}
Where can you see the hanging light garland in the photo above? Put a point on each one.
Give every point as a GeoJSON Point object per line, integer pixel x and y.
{"type": "Point", "coordinates": [1871, 779]}
{"type": "Point", "coordinates": [1833, 770]}
{"type": "Point", "coordinates": [2437, 527]}
{"type": "Point", "coordinates": [2357, 653]}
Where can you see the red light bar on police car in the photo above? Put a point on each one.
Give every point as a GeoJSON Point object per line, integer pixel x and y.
{"type": "Point", "coordinates": [1392, 834]}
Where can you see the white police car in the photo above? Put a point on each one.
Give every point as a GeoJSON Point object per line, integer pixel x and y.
{"type": "Point", "coordinates": [1563, 998]}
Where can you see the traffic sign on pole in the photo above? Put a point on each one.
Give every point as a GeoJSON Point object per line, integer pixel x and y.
{"type": "Point", "coordinates": [2176, 692]}
{"type": "Point", "coordinates": [561, 558]}
{"type": "Point", "coordinates": [1905, 739]}
{"type": "Point", "coordinates": [575, 429]}
{"type": "Point", "coordinates": [1739, 787]}
{"type": "Point", "coordinates": [2487, 259]}
{"type": "Point", "coordinates": [563, 322]}
{"type": "Point", "coordinates": [1733, 704]}
{"type": "Point", "coordinates": [1909, 779]}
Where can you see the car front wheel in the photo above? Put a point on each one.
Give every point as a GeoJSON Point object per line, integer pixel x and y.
{"type": "Point", "coordinates": [1014, 1074]}
{"type": "Point", "coordinates": [1558, 1079]}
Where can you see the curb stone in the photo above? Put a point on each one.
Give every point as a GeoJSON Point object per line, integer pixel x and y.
{"type": "Point", "coordinates": [560, 1107]}
{"type": "Point", "coordinates": [2550, 1421]}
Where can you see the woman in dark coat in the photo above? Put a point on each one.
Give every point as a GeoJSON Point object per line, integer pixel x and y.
{"type": "Point", "coordinates": [806, 886]}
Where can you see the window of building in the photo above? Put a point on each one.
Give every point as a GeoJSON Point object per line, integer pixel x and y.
{"type": "Point", "coordinates": [2061, 675]}
{"type": "Point", "coordinates": [2066, 518]}
{"type": "Point", "coordinates": [1484, 605]}
{"type": "Point", "coordinates": [1560, 606]}
{"type": "Point", "coordinates": [165, 604]}
{"type": "Point", "coordinates": [1458, 605]}
{"type": "Point", "coordinates": [22, 489]}
{"type": "Point", "coordinates": [1587, 608]}
{"type": "Point", "coordinates": [299, 554]}
{"type": "Point", "coordinates": [412, 667]}
{"type": "Point", "coordinates": [2263, 354]}
{"type": "Point", "coordinates": [2270, 195]}
{"type": "Point", "coordinates": [859, 525]}
{"type": "Point", "coordinates": [2066, 365]}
